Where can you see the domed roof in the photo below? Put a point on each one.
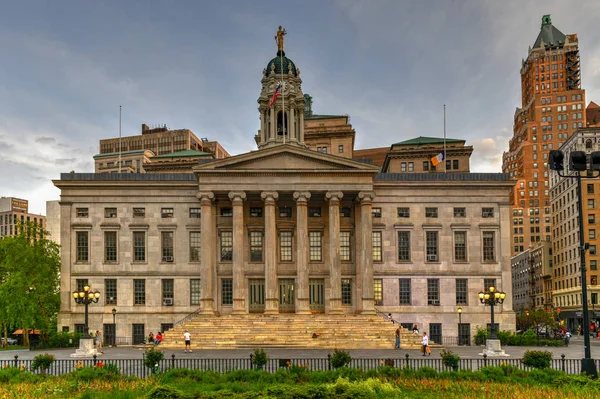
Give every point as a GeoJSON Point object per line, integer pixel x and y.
{"type": "Point", "coordinates": [279, 61]}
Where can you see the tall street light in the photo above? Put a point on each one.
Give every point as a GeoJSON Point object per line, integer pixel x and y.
{"type": "Point", "coordinates": [459, 310]}
{"type": "Point", "coordinates": [577, 165]}
{"type": "Point", "coordinates": [492, 297]}
{"type": "Point", "coordinates": [114, 312]}
{"type": "Point", "coordinates": [85, 297]}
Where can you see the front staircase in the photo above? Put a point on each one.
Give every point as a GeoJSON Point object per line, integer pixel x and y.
{"type": "Point", "coordinates": [289, 331]}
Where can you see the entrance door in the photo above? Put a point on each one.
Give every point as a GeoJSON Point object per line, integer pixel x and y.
{"type": "Point", "coordinates": [464, 334]}
{"type": "Point", "coordinates": [139, 335]}
{"type": "Point", "coordinates": [109, 334]}
{"type": "Point", "coordinates": [286, 295]}
{"type": "Point", "coordinates": [435, 332]}
{"type": "Point", "coordinates": [317, 295]}
{"type": "Point", "coordinates": [256, 289]}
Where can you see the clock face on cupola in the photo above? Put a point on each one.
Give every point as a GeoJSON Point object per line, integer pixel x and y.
{"type": "Point", "coordinates": [281, 101]}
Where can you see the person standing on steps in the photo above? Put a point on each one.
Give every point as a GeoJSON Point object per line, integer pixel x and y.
{"type": "Point", "coordinates": [397, 346]}
{"type": "Point", "coordinates": [425, 344]}
{"type": "Point", "coordinates": [188, 345]}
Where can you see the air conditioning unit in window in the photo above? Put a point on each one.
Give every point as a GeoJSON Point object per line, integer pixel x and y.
{"type": "Point", "coordinates": [167, 259]}
{"type": "Point", "coordinates": [435, 303]}
{"type": "Point", "coordinates": [168, 302]}
{"type": "Point", "coordinates": [431, 258]}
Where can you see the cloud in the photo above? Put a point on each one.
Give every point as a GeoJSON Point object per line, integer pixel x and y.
{"type": "Point", "coordinates": [65, 161]}
{"type": "Point", "coordinates": [45, 140]}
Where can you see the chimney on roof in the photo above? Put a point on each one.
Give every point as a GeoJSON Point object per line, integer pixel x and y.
{"type": "Point", "coordinates": [145, 128]}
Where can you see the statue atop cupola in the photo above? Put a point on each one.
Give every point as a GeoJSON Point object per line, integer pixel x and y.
{"type": "Point", "coordinates": [281, 101]}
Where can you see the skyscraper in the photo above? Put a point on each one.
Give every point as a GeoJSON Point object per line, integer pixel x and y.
{"type": "Point", "coordinates": [552, 108]}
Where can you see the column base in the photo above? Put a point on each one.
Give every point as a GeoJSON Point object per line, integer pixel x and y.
{"type": "Point", "coordinates": [368, 307]}
{"type": "Point", "coordinates": [239, 306]}
{"type": "Point", "coordinates": [493, 348]}
{"type": "Point", "coordinates": [271, 306]}
{"type": "Point", "coordinates": [303, 306]}
{"type": "Point", "coordinates": [206, 307]}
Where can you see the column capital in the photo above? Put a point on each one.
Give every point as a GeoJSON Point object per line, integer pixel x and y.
{"type": "Point", "coordinates": [269, 196]}
{"type": "Point", "coordinates": [302, 197]}
{"type": "Point", "coordinates": [366, 197]}
{"type": "Point", "coordinates": [333, 196]}
{"type": "Point", "coordinates": [204, 196]}
{"type": "Point", "coordinates": [237, 196]}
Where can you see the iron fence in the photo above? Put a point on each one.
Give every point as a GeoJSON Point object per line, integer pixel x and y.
{"type": "Point", "coordinates": [136, 367]}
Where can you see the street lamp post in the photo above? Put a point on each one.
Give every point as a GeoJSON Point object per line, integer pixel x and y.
{"type": "Point", "coordinates": [85, 297]}
{"type": "Point", "coordinates": [578, 164]}
{"type": "Point", "coordinates": [459, 310]}
{"type": "Point", "coordinates": [114, 312]}
{"type": "Point", "coordinates": [492, 298]}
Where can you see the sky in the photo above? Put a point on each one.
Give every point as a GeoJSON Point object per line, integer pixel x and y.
{"type": "Point", "coordinates": [67, 65]}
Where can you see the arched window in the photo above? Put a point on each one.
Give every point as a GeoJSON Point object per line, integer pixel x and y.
{"type": "Point", "coordinates": [280, 128]}
{"type": "Point", "coordinates": [588, 144]}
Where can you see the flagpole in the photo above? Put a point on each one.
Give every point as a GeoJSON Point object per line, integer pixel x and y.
{"type": "Point", "coordinates": [445, 163]}
{"type": "Point", "coordinates": [282, 95]}
{"type": "Point", "coordinates": [119, 139]}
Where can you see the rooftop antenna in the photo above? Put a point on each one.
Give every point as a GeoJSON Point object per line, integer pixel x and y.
{"type": "Point", "coordinates": [445, 163]}
{"type": "Point", "coordinates": [119, 139]}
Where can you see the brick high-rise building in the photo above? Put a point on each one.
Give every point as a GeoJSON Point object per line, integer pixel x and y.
{"type": "Point", "coordinates": [553, 107]}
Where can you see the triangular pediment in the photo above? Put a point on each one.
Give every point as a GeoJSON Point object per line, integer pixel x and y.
{"type": "Point", "coordinates": [286, 158]}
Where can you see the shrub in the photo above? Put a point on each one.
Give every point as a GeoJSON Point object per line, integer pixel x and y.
{"type": "Point", "coordinates": [43, 362]}
{"type": "Point", "coordinates": [450, 359]}
{"type": "Point", "coordinates": [537, 359]}
{"type": "Point", "coordinates": [339, 359]}
{"type": "Point", "coordinates": [481, 336]}
{"type": "Point", "coordinates": [259, 358]}
{"type": "Point", "coordinates": [165, 392]}
{"type": "Point", "coordinates": [153, 357]}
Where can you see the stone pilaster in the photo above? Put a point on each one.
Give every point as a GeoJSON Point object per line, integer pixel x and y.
{"type": "Point", "coordinates": [335, 266]}
{"type": "Point", "coordinates": [292, 124]}
{"type": "Point", "coordinates": [239, 302]}
{"type": "Point", "coordinates": [272, 129]}
{"type": "Point", "coordinates": [262, 127]}
{"type": "Point", "coordinates": [271, 295]}
{"type": "Point", "coordinates": [302, 245]}
{"type": "Point", "coordinates": [301, 126]}
{"type": "Point", "coordinates": [208, 260]}
{"type": "Point", "coordinates": [66, 253]}
{"type": "Point", "coordinates": [365, 259]}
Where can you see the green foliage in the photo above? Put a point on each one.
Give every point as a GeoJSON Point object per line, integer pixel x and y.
{"type": "Point", "coordinates": [259, 358]}
{"type": "Point", "coordinates": [450, 359]}
{"type": "Point", "coordinates": [16, 374]}
{"type": "Point", "coordinates": [481, 336]}
{"type": "Point", "coordinates": [107, 372]}
{"type": "Point", "coordinates": [153, 357]}
{"type": "Point", "coordinates": [537, 359]}
{"type": "Point", "coordinates": [165, 392]}
{"type": "Point", "coordinates": [42, 362]}
{"type": "Point", "coordinates": [340, 358]}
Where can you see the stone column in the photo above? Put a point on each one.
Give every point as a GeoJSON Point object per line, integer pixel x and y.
{"type": "Point", "coordinates": [239, 303]}
{"type": "Point", "coordinates": [208, 261]}
{"type": "Point", "coordinates": [272, 129]}
{"type": "Point", "coordinates": [365, 263]}
{"type": "Point", "coordinates": [271, 295]}
{"type": "Point", "coordinates": [335, 266]}
{"type": "Point", "coordinates": [301, 127]}
{"type": "Point", "coordinates": [292, 123]}
{"type": "Point", "coordinates": [262, 127]}
{"type": "Point", "coordinates": [302, 245]}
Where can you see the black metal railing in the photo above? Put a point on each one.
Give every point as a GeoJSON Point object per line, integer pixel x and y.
{"type": "Point", "coordinates": [136, 367]}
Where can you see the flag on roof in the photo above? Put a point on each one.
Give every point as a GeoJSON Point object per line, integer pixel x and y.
{"type": "Point", "coordinates": [438, 158]}
{"type": "Point", "coordinates": [275, 95]}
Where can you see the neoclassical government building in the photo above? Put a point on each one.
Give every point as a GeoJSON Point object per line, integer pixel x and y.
{"type": "Point", "coordinates": [299, 225]}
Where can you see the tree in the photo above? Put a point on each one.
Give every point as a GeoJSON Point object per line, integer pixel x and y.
{"type": "Point", "coordinates": [29, 279]}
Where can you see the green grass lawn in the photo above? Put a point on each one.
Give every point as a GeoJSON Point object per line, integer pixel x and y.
{"type": "Point", "coordinates": [13, 347]}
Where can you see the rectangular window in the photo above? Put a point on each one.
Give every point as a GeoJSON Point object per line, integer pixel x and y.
{"type": "Point", "coordinates": [345, 247]}
{"type": "Point", "coordinates": [167, 246]}
{"type": "Point", "coordinates": [139, 246]}
{"type": "Point", "coordinates": [376, 213]}
{"type": "Point", "coordinates": [403, 167]}
{"type": "Point", "coordinates": [195, 213]}
{"type": "Point", "coordinates": [168, 292]}
{"type": "Point", "coordinates": [195, 291]}
{"type": "Point", "coordinates": [593, 265]}
{"type": "Point", "coordinates": [314, 212]}
{"type": "Point", "coordinates": [431, 212]}
{"type": "Point", "coordinates": [82, 212]}
{"type": "Point", "coordinates": [285, 246]}
{"type": "Point", "coordinates": [256, 246]}
{"type": "Point", "coordinates": [590, 189]}
{"type": "Point", "coordinates": [425, 166]}
{"type": "Point", "coordinates": [489, 282]}
{"type": "Point", "coordinates": [460, 246]}
{"type": "Point", "coordinates": [139, 292]}
{"type": "Point", "coordinates": [403, 212]}
{"type": "Point", "coordinates": [455, 164]}
{"type": "Point", "coordinates": [591, 204]}
{"type": "Point", "coordinates": [195, 246]}
{"type": "Point", "coordinates": [340, 149]}
{"type": "Point", "coordinates": [345, 211]}
{"type": "Point", "coordinates": [376, 247]}
{"type": "Point", "coordinates": [346, 292]}
{"type": "Point", "coordinates": [462, 292]}
{"type": "Point", "coordinates": [378, 291]}
{"type": "Point", "coordinates": [460, 212]}
{"type": "Point", "coordinates": [404, 246]}
{"type": "Point", "coordinates": [226, 245]}
{"type": "Point", "coordinates": [432, 245]}
{"type": "Point", "coordinates": [110, 212]}
{"type": "Point", "coordinates": [81, 284]}
{"type": "Point", "coordinates": [139, 212]}
{"type": "Point", "coordinates": [285, 212]}
{"type": "Point", "coordinates": [226, 212]}
{"type": "Point", "coordinates": [489, 247]}
{"type": "Point", "coordinates": [411, 167]}
{"type": "Point", "coordinates": [315, 246]}
{"type": "Point", "coordinates": [592, 234]}
{"type": "Point", "coordinates": [82, 246]}
{"type": "Point", "coordinates": [110, 246]}
{"type": "Point", "coordinates": [487, 212]}
{"type": "Point", "coordinates": [256, 212]}
{"type": "Point", "coordinates": [227, 291]}
{"type": "Point", "coordinates": [448, 164]}
{"type": "Point", "coordinates": [433, 291]}
{"type": "Point", "coordinates": [166, 213]}
{"type": "Point", "coordinates": [405, 291]}
{"type": "Point", "coordinates": [110, 292]}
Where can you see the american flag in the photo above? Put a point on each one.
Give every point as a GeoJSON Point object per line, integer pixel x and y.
{"type": "Point", "coordinates": [277, 92]}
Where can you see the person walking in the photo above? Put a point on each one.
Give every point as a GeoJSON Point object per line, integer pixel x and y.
{"type": "Point", "coordinates": [425, 343]}
{"type": "Point", "coordinates": [188, 344]}
{"type": "Point", "coordinates": [397, 346]}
